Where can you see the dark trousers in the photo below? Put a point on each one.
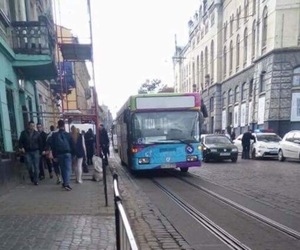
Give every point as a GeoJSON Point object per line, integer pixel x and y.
{"type": "Point", "coordinates": [32, 163]}
{"type": "Point", "coordinates": [246, 152]}
{"type": "Point", "coordinates": [105, 152]}
{"type": "Point", "coordinates": [41, 166]}
{"type": "Point", "coordinates": [53, 165]}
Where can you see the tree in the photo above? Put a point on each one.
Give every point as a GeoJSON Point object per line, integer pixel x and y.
{"type": "Point", "coordinates": [149, 86]}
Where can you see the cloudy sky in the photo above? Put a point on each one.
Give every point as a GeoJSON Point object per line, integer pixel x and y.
{"type": "Point", "coordinates": [133, 40]}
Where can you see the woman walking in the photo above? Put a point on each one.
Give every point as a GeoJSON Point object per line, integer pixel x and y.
{"type": "Point", "coordinates": [80, 152]}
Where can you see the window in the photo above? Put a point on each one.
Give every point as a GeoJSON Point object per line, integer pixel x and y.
{"type": "Point", "coordinates": [237, 51]}
{"type": "Point", "coordinates": [224, 99]}
{"type": "Point", "coordinates": [206, 61]}
{"type": "Point", "coordinates": [253, 7]}
{"type": "Point", "coordinates": [231, 25]}
{"type": "Point", "coordinates": [230, 57]}
{"type": "Point", "coordinates": [262, 84]}
{"type": "Point", "coordinates": [230, 97]}
{"type": "Point", "coordinates": [246, 10]}
{"type": "Point", "coordinates": [12, 116]}
{"type": "Point", "coordinates": [201, 70]}
{"type": "Point", "coordinates": [296, 77]}
{"type": "Point", "coordinates": [236, 94]}
{"type": "Point", "coordinates": [243, 92]}
{"type": "Point", "coordinates": [211, 104]}
{"type": "Point", "coordinates": [225, 31]}
{"type": "Point", "coordinates": [198, 72]}
{"type": "Point", "coordinates": [264, 29]}
{"type": "Point", "coordinates": [212, 61]}
{"type": "Point", "coordinates": [245, 45]}
{"type": "Point", "coordinates": [224, 61]}
{"type": "Point", "coordinates": [238, 15]}
{"type": "Point", "coordinates": [250, 87]}
{"type": "Point", "coordinates": [253, 40]}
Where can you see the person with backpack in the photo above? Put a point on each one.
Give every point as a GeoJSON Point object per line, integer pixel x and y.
{"type": "Point", "coordinates": [62, 147]}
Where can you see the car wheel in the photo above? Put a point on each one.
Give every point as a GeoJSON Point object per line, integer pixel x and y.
{"type": "Point", "coordinates": [184, 170]}
{"type": "Point", "coordinates": [280, 156]}
{"type": "Point", "coordinates": [254, 154]}
{"type": "Point", "coordinates": [234, 159]}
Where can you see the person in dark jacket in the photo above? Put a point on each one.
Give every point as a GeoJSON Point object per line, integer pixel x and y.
{"type": "Point", "coordinates": [62, 146]}
{"type": "Point", "coordinates": [104, 143]}
{"type": "Point", "coordinates": [246, 141]}
{"type": "Point", "coordinates": [30, 145]}
{"type": "Point", "coordinates": [42, 163]}
{"type": "Point", "coordinates": [90, 145]}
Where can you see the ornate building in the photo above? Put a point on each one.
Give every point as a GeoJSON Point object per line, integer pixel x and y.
{"type": "Point", "coordinates": [244, 58]}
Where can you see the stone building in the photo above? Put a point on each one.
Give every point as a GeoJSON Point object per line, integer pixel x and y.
{"type": "Point", "coordinates": [244, 58]}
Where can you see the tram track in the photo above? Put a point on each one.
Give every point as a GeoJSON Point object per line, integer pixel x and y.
{"type": "Point", "coordinates": [282, 228]}
{"type": "Point", "coordinates": [213, 227]}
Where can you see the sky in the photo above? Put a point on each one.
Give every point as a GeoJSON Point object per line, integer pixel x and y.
{"type": "Point", "coordinates": [133, 40]}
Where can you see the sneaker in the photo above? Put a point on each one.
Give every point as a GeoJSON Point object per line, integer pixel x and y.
{"type": "Point", "coordinates": [51, 175]}
{"type": "Point", "coordinates": [68, 188]}
{"type": "Point", "coordinates": [58, 181]}
{"type": "Point", "coordinates": [36, 183]}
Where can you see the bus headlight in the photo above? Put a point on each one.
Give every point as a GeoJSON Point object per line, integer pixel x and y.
{"type": "Point", "coordinates": [191, 158]}
{"type": "Point", "coordinates": [144, 160]}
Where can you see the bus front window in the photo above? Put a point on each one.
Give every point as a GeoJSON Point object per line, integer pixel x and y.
{"type": "Point", "coordinates": [154, 127]}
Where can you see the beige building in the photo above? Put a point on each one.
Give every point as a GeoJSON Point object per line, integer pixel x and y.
{"type": "Point", "coordinates": [243, 56]}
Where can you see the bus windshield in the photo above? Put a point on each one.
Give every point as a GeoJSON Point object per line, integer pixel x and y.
{"type": "Point", "coordinates": [165, 127]}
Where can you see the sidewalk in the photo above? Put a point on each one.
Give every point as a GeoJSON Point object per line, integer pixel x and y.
{"type": "Point", "coordinates": [48, 217]}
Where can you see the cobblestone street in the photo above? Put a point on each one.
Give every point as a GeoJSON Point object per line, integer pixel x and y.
{"type": "Point", "coordinates": [48, 217]}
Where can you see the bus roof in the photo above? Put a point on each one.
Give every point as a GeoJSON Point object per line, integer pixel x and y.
{"type": "Point", "coordinates": [165, 101]}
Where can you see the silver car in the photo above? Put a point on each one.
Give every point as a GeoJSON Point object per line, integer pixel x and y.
{"type": "Point", "coordinates": [289, 147]}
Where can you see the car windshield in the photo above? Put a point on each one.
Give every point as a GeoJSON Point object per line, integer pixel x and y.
{"type": "Point", "coordinates": [217, 140]}
{"type": "Point", "coordinates": [166, 127]}
{"type": "Point", "coordinates": [268, 138]}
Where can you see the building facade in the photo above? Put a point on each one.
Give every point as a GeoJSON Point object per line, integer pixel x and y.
{"type": "Point", "coordinates": [244, 58]}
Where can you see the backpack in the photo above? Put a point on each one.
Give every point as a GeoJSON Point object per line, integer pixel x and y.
{"type": "Point", "coordinates": [61, 142]}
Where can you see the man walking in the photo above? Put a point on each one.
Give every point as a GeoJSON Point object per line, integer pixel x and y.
{"type": "Point", "coordinates": [104, 143]}
{"type": "Point", "coordinates": [62, 147]}
{"type": "Point", "coordinates": [30, 144]}
{"type": "Point", "coordinates": [43, 136]}
{"type": "Point", "coordinates": [246, 140]}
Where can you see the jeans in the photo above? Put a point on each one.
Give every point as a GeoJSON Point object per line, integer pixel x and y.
{"type": "Point", "coordinates": [32, 160]}
{"type": "Point", "coordinates": [65, 163]}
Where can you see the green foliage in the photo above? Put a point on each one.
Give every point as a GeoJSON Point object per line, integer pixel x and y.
{"type": "Point", "coordinates": [149, 86]}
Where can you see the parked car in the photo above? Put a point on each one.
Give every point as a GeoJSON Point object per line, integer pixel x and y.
{"type": "Point", "coordinates": [265, 145]}
{"type": "Point", "coordinates": [289, 147]}
{"type": "Point", "coordinates": [218, 147]}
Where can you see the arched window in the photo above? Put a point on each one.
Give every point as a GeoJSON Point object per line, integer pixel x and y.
{"type": "Point", "coordinates": [236, 94]}
{"type": "Point", "coordinates": [201, 70]}
{"type": "Point", "coordinates": [245, 45]}
{"type": "Point", "coordinates": [231, 25]}
{"type": "Point", "coordinates": [251, 87]}
{"type": "Point", "coordinates": [243, 92]}
{"type": "Point", "coordinates": [253, 40]}
{"type": "Point", "coordinates": [238, 51]}
{"type": "Point", "coordinates": [230, 97]}
{"type": "Point", "coordinates": [224, 61]}
{"type": "Point", "coordinates": [296, 76]}
{"type": "Point", "coordinates": [212, 61]}
{"type": "Point", "coordinates": [264, 30]}
{"type": "Point", "coordinates": [206, 66]}
{"type": "Point", "coordinates": [262, 84]}
{"type": "Point", "coordinates": [246, 10]}
{"type": "Point", "coordinates": [211, 104]}
{"type": "Point", "coordinates": [238, 16]}
{"type": "Point", "coordinates": [230, 57]}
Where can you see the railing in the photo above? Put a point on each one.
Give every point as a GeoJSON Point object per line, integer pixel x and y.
{"type": "Point", "coordinates": [33, 37]}
{"type": "Point", "coordinates": [124, 236]}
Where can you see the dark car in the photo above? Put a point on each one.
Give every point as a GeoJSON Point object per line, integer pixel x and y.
{"type": "Point", "coordinates": [218, 147]}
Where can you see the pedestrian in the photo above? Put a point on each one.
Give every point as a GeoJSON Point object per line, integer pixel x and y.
{"type": "Point", "coordinates": [49, 158]}
{"type": "Point", "coordinates": [42, 163]}
{"type": "Point", "coordinates": [62, 147]}
{"type": "Point", "coordinates": [246, 141]}
{"type": "Point", "coordinates": [232, 135]}
{"type": "Point", "coordinates": [30, 145]}
{"type": "Point", "coordinates": [90, 145]}
{"type": "Point", "coordinates": [79, 153]}
{"type": "Point", "coordinates": [104, 143]}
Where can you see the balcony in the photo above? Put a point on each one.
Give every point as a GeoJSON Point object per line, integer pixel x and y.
{"type": "Point", "coordinates": [33, 44]}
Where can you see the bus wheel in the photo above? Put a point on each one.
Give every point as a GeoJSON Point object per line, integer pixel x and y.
{"type": "Point", "coordinates": [184, 170]}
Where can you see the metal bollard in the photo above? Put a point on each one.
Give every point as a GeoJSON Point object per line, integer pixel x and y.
{"type": "Point", "coordinates": [104, 181]}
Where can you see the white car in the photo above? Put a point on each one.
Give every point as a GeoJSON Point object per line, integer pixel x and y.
{"type": "Point", "coordinates": [265, 145]}
{"type": "Point", "coordinates": [289, 147]}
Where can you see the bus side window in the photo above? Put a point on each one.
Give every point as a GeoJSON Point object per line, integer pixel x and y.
{"type": "Point", "coordinates": [126, 116]}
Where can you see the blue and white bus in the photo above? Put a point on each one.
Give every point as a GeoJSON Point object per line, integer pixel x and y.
{"type": "Point", "coordinates": [160, 131]}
